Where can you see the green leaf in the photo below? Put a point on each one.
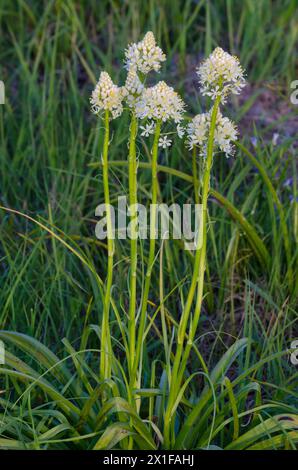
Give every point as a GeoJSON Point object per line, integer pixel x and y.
{"type": "Point", "coordinates": [216, 376]}
{"type": "Point", "coordinates": [277, 441]}
{"type": "Point", "coordinates": [40, 353]}
{"type": "Point", "coordinates": [11, 444]}
{"type": "Point", "coordinates": [270, 425]}
{"type": "Point", "coordinates": [61, 402]}
{"type": "Point", "coordinates": [119, 405]}
{"type": "Point", "coordinates": [223, 365]}
{"type": "Point", "coordinates": [112, 435]}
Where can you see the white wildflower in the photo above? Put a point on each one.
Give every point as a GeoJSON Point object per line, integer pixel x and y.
{"type": "Point", "coordinates": [133, 88]}
{"type": "Point", "coordinates": [145, 55]}
{"type": "Point", "coordinates": [160, 102]}
{"type": "Point", "coordinates": [224, 135]}
{"type": "Point", "coordinates": [197, 131]}
{"type": "Point", "coordinates": [107, 96]}
{"type": "Point", "coordinates": [148, 129]}
{"type": "Point", "coordinates": [164, 142]}
{"type": "Point", "coordinates": [221, 74]}
{"type": "Point", "coordinates": [180, 131]}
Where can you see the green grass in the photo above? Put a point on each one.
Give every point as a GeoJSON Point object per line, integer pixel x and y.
{"type": "Point", "coordinates": [52, 286]}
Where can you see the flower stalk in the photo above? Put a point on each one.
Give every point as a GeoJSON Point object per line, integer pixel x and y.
{"type": "Point", "coordinates": [138, 356]}
{"type": "Point", "coordinates": [202, 257]}
{"type": "Point", "coordinates": [106, 100]}
{"type": "Point", "coordinates": [105, 358]}
{"type": "Point", "coordinates": [197, 284]}
{"type": "Point", "coordinates": [132, 165]}
{"type": "Point", "coordinates": [195, 175]}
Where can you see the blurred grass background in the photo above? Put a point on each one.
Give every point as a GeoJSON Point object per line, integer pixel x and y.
{"type": "Point", "coordinates": [51, 54]}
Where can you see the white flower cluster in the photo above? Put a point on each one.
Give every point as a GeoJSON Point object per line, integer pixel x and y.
{"type": "Point", "coordinates": [221, 74]}
{"type": "Point", "coordinates": [145, 55]}
{"type": "Point", "coordinates": [107, 96]}
{"type": "Point", "coordinates": [225, 133]}
{"type": "Point", "coordinates": [160, 102]}
{"type": "Point", "coordinates": [197, 131]}
{"type": "Point", "coordinates": [133, 88]}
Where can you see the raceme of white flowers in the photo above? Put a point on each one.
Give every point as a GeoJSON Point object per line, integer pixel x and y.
{"type": "Point", "coordinates": [145, 55]}
{"type": "Point", "coordinates": [133, 88]}
{"type": "Point", "coordinates": [219, 75]}
{"type": "Point", "coordinates": [160, 102]}
{"type": "Point", "coordinates": [107, 96]}
{"type": "Point", "coordinates": [198, 131]}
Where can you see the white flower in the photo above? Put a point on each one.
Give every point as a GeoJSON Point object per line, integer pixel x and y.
{"type": "Point", "coordinates": [220, 74]}
{"type": "Point", "coordinates": [180, 131]}
{"type": "Point", "coordinates": [133, 88]}
{"type": "Point", "coordinates": [160, 102]}
{"type": "Point", "coordinates": [164, 142]}
{"type": "Point", "coordinates": [225, 133]}
{"type": "Point", "coordinates": [148, 129]}
{"type": "Point", "coordinates": [145, 55]}
{"type": "Point", "coordinates": [197, 131]}
{"type": "Point", "coordinates": [107, 96]}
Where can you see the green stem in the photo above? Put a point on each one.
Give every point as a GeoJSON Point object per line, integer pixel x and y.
{"type": "Point", "coordinates": [195, 175]}
{"type": "Point", "coordinates": [202, 263]}
{"type": "Point", "coordinates": [132, 164]}
{"type": "Point", "coordinates": [138, 356]}
{"type": "Point", "coordinates": [105, 357]}
{"type": "Point", "coordinates": [197, 283]}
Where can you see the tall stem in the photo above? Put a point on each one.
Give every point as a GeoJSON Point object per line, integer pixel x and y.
{"type": "Point", "coordinates": [195, 175]}
{"type": "Point", "coordinates": [202, 263]}
{"type": "Point", "coordinates": [139, 349]}
{"type": "Point", "coordinates": [105, 358]}
{"type": "Point", "coordinates": [197, 283]}
{"type": "Point", "coordinates": [132, 164]}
